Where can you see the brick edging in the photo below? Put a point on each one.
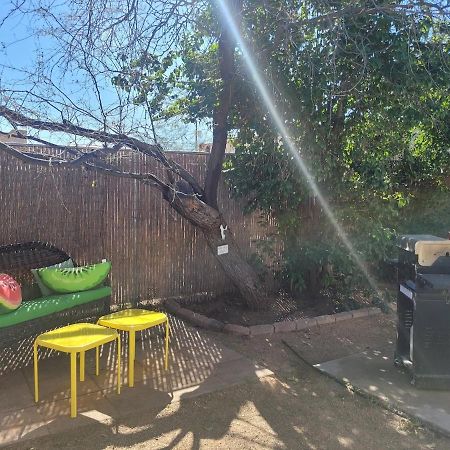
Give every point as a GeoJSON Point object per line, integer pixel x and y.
{"type": "Point", "coordinates": [267, 329]}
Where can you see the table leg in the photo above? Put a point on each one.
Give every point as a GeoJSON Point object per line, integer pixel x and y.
{"type": "Point", "coordinates": [82, 365]}
{"type": "Point", "coordinates": [73, 384]}
{"type": "Point", "coordinates": [36, 374]}
{"type": "Point", "coordinates": [119, 380]}
{"type": "Point", "coordinates": [131, 356]}
{"type": "Point", "coordinates": [97, 360]}
{"type": "Point", "coordinates": [166, 353]}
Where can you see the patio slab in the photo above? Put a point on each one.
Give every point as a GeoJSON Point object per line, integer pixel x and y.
{"type": "Point", "coordinates": [374, 373]}
{"type": "Point", "coordinates": [199, 364]}
{"type": "Point", "coordinates": [13, 395]}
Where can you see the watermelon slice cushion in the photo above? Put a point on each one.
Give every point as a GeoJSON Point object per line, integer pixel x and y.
{"type": "Point", "coordinates": [10, 294]}
{"type": "Point", "coordinates": [75, 279]}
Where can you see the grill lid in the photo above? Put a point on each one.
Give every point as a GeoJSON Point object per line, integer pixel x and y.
{"type": "Point", "coordinates": [408, 241]}
{"type": "Point", "coordinates": [427, 247]}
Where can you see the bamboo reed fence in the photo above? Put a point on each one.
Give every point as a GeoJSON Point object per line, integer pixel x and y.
{"type": "Point", "coordinates": [154, 253]}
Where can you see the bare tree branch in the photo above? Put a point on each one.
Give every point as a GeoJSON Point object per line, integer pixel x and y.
{"type": "Point", "coordinates": [86, 161]}
{"type": "Point", "coordinates": [119, 140]}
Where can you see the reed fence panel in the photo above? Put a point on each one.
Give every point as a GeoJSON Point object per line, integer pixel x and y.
{"type": "Point", "coordinates": [154, 252]}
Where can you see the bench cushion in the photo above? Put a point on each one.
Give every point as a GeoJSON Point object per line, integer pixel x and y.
{"type": "Point", "coordinates": [45, 306]}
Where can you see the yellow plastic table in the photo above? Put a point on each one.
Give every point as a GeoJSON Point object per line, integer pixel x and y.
{"type": "Point", "coordinates": [73, 339]}
{"type": "Point", "coordinates": [132, 320]}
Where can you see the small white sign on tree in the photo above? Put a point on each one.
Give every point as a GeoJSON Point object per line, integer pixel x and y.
{"type": "Point", "coordinates": [222, 249]}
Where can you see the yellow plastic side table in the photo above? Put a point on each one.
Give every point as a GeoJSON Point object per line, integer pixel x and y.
{"type": "Point", "coordinates": [73, 339]}
{"type": "Point", "coordinates": [132, 320]}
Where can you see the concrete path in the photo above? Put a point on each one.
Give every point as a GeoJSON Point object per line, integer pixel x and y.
{"type": "Point", "coordinates": [374, 373]}
{"type": "Point", "coordinates": [199, 364]}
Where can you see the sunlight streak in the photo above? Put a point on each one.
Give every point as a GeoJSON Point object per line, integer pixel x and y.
{"type": "Point", "coordinates": [262, 87]}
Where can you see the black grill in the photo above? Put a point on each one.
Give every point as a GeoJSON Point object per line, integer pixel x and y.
{"type": "Point", "coordinates": [423, 310]}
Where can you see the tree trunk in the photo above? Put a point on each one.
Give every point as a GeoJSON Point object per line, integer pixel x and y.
{"type": "Point", "coordinates": [221, 114]}
{"type": "Point", "coordinates": [240, 273]}
{"type": "Point", "coordinates": [238, 270]}
{"type": "Point", "coordinates": [233, 263]}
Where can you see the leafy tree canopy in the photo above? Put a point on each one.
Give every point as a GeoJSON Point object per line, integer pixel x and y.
{"type": "Point", "coordinates": [365, 90]}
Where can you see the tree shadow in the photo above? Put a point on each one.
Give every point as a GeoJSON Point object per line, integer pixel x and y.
{"type": "Point", "coordinates": [168, 410]}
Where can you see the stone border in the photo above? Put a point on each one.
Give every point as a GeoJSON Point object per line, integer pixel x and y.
{"type": "Point", "coordinates": [267, 329]}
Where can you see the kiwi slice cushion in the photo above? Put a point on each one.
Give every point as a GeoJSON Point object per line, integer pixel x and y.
{"type": "Point", "coordinates": [75, 279]}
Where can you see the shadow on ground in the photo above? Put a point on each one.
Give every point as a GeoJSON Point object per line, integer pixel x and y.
{"type": "Point", "coordinates": [243, 407]}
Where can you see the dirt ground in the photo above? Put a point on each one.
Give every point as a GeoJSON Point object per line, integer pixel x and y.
{"type": "Point", "coordinates": [232, 310]}
{"type": "Point", "coordinates": [319, 344]}
{"type": "Point", "coordinates": [296, 408]}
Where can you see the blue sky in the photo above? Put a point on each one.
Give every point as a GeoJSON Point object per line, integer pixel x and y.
{"type": "Point", "coordinates": [21, 48]}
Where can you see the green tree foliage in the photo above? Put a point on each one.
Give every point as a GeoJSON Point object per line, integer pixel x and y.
{"type": "Point", "coordinates": [365, 90]}
{"type": "Point", "coordinates": [367, 98]}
